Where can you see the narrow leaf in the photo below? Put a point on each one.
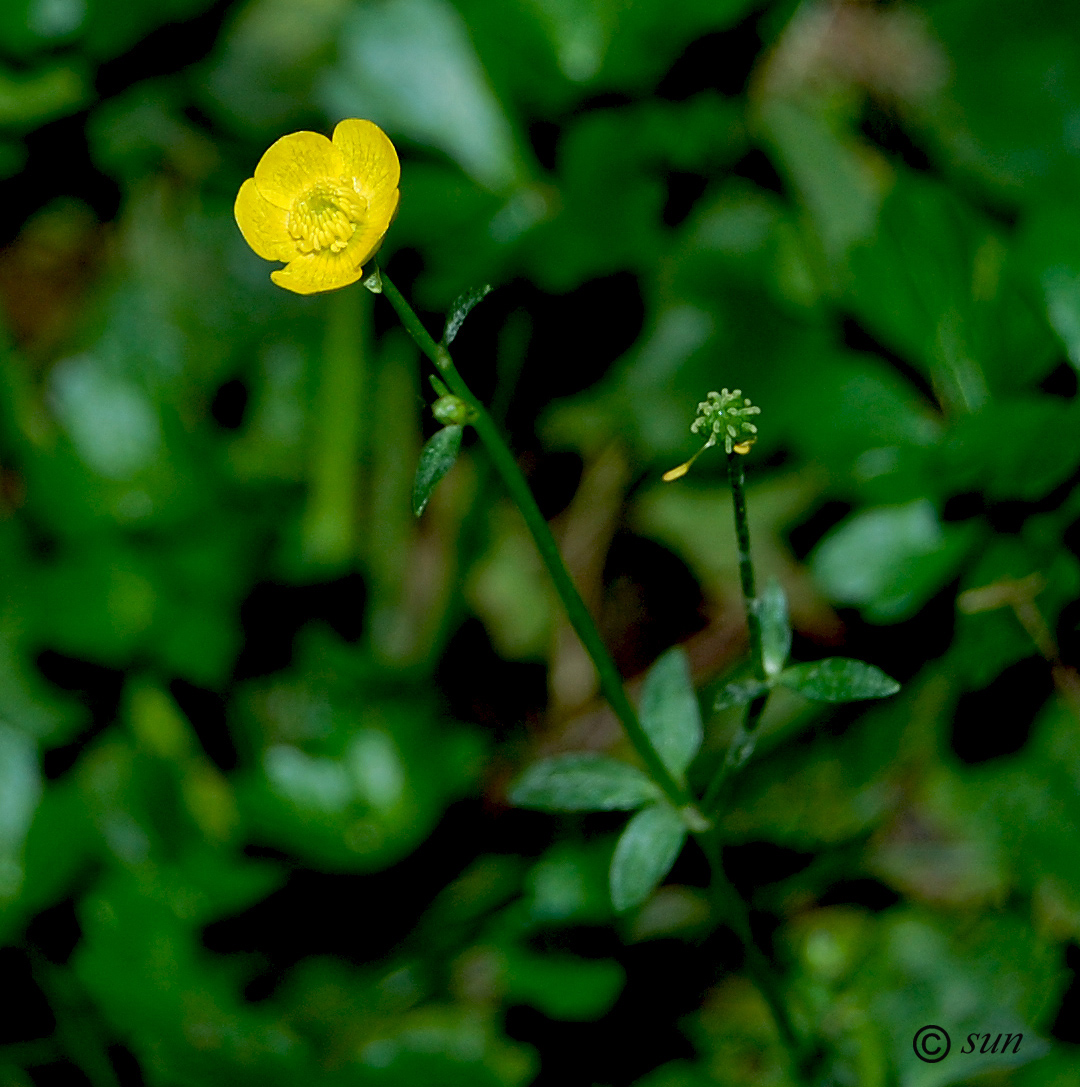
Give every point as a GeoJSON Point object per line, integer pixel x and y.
{"type": "Point", "coordinates": [436, 459]}
{"type": "Point", "coordinates": [582, 782]}
{"type": "Point", "coordinates": [460, 310]}
{"type": "Point", "coordinates": [669, 711]}
{"type": "Point", "coordinates": [644, 854]}
{"type": "Point", "coordinates": [839, 679]}
{"type": "Point", "coordinates": [738, 692]}
{"type": "Point", "coordinates": [775, 629]}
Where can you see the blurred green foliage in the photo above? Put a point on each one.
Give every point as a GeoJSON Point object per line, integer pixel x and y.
{"type": "Point", "coordinates": [229, 855]}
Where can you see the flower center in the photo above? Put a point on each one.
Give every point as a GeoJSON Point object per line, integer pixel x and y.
{"type": "Point", "coordinates": [325, 217]}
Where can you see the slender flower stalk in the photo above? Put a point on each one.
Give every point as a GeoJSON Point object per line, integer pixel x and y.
{"type": "Point", "coordinates": [742, 744]}
{"type": "Point", "coordinates": [726, 899]}
{"type": "Point", "coordinates": [580, 619]}
{"type": "Point", "coordinates": [737, 477]}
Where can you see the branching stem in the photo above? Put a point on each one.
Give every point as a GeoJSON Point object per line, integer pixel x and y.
{"type": "Point", "coordinates": [582, 622]}
{"type": "Point", "coordinates": [727, 901]}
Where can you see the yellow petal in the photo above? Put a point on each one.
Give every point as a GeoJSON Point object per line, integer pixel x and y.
{"type": "Point", "coordinates": [293, 163]}
{"type": "Point", "coordinates": [262, 224]}
{"type": "Point", "coordinates": [314, 272]}
{"type": "Point", "coordinates": [369, 235]}
{"type": "Point", "coordinates": [370, 158]}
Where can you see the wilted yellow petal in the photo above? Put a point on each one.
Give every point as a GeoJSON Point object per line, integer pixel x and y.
{"type": "Point", "coordinates": [370, 158]}
{"type": "Point", "coordinates": [314, 272]}
{"type": "Point", "coordinates": [262, 224]}
{"type": "Point", "coordinates": [292, 164]}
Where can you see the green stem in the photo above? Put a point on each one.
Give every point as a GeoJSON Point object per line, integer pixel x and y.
{"type": "Point", "coordinates": [729, 904]}
{"type": "Point", "coordinates": [738, 752]}
{"type": "Point", "coordinates": [742, 745]}
{"type": "Point", "coordinates": [578, 613]}
{"type": "Point", "coordinates": [746, 566]}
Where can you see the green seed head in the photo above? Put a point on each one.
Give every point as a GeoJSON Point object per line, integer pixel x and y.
{"type": "Point", "coordinates": [725, 417]}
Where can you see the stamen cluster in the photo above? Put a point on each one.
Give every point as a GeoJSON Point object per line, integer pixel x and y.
{"type": "Point", "coordinates": [325, 217]}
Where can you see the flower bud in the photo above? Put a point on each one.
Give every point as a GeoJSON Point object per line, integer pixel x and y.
{"type": "Point", "coordinates": [451, 410]}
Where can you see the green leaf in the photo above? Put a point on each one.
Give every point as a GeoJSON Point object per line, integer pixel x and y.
{"type": "Point", "coordinates": [397, 61]}
{"type": "Point", "coordinates": [775, 629]}
{"type": "Point", "coordinates": [888, 560]}
{"type": "Point", "coordinates": [20, 787]}
{"type": "Point", "coordinates": [563, 986]}
{"type": "Point", "coordinates": [461, 308]}
{"type": "Point", "coordinates": [582, 782]}
{"type": "Point", "coordinates": [839, 679]}
{"type": "Point", "coordinates": [739, 692]}
{"type": "Point", "coordinates": [644, 854]}
{"type": "Point", "coordinates": [669, 710]}
{"type": "Point", "coordinates": [436, 459]}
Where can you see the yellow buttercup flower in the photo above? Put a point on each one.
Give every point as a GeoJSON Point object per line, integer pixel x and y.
{"type": "Point", "coordinates": [321, 205]}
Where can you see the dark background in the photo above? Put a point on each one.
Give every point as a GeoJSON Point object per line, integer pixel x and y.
{"type": "Point", "coordinates": [257, 722]}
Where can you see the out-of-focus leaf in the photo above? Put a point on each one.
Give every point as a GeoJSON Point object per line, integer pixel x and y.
{"type": "Point", "coordinates": [1020, 448]}
{"type": "Point", "coordinates": [348, 779]}
{"type": "Point", "coordinates": [646, 38]}
{"type": "Point", "coordinates": [733, 1030]}
{"type": "Point", "coordinates": [99, 602]}
{"type": "Point", "coordinates": [669, 710]}
{"type": "Point", "coordinates": [890, 559]}
{"type": "Point", "coordinates": [838, 679]}
{"type": "Point", "coordinates": [644, 854]}
{"type": "Point", "coordinates": [569, 885]}
{"type": "Point", "coordinates": [582, 782]}
{"type": "Point", "coordinates": [997, 975]}
{"type": "Point", "coordinates": [398, 60]}
{"type": "Point", "coordinates": [436, 459]}
{"type": "Point", "coordinates": [672, 911]}
{"type": "Point", "coordinates": [29, 100]}
{"type": "Point", "coordinates": [772, 613]}
{"type": "Point", "coordinates": [508, 589]}
{"type": "Point", "coordinates": [260, 78]}
{"type": "Point", "coordinates": [563, 986]}
{"type": "Point", "coordinates": [20, 791]}
{"type": "Point", "coordinates": [452, 1045]}
{"type": "Point", "coordinates": [841, 183]}
{"type": "Point", "coordinates": [112, 422]}
{"type": "Point", "coordinates": [1012, 77]}
{"type": "Point", "coordinates": [144, 130]}
{"type": "Point", "coordinates": [610, 215]}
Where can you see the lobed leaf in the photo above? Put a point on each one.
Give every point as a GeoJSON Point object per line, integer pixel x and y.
{"type": "Point", "coordinates": [582, 782]}
{"type": "Point", "coordinates": [436, 459]}
{"type": "Point", "coordinates": [669, 711]}
{"type": "Point", "coordinates": [839, 679]}
{"type": "Point", "coordinates": [644, 854]}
